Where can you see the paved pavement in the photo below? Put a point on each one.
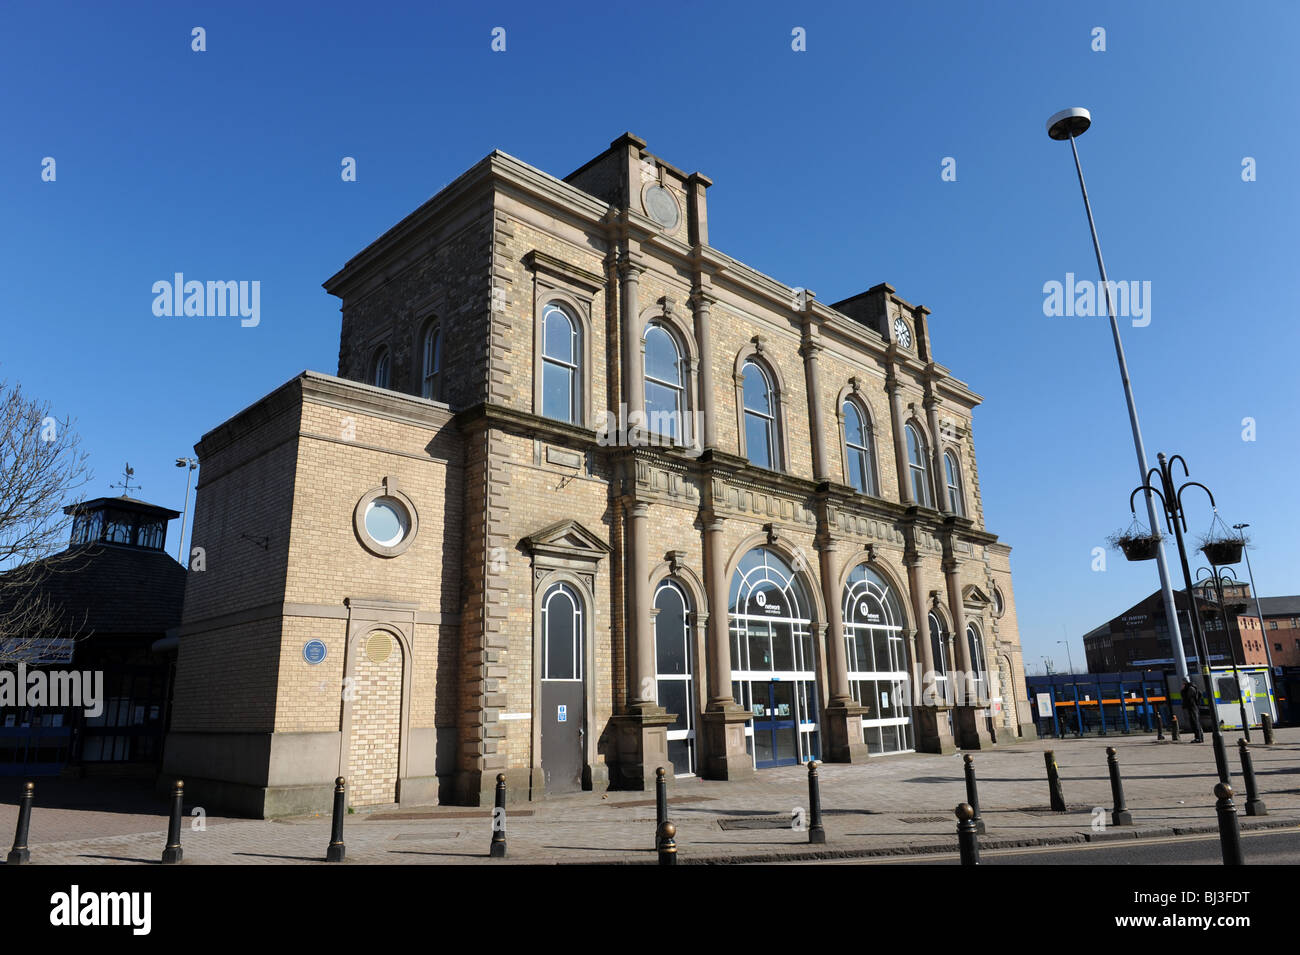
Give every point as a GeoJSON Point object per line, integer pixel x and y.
{"type": "Point", "coordinates": [887, 807]}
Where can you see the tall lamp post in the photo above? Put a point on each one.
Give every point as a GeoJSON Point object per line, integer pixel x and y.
{"type": "Point", "coordinates": [1068, 655]}
{"type": "Point", "coordinates": [1070, 124]}
{"type": "Point", "coordinates": [1171, 497]}
{"type": "Point", "coordinates": [1218, 577]}
{"type": "Point", "coordinates": [1259, 612]}
{"type": "Point", "coordinates": [180, 544]}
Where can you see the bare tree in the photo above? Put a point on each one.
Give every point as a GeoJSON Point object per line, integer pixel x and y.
{"type": "Point", "coordinates": [41, 466]}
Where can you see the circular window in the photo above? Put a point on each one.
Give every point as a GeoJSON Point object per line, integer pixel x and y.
{"type": "Point", "coordinates": [379, 647]}
{"type": "Point", "coordinates": [385, 520]}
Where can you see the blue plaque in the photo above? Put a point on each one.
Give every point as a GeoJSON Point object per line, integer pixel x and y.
{"type": "Point", "coordinates": [313, 651]}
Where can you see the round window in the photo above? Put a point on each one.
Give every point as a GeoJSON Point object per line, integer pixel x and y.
{"type": "Point", "coordinates": [386, 521]}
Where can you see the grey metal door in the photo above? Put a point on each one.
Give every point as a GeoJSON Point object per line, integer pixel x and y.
{"type": "Point", "coordinates": [562, 732]}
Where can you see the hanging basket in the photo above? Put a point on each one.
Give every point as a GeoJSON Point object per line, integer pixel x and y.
{"type": "Point", "coordinates": [1140, 548]}
{"type": "Point", "coordinates": [1220, 546]}
{"type": "Point", "coordinates": [1136, 542]}
{"type": "Point", "coordinates": [1222, 552]}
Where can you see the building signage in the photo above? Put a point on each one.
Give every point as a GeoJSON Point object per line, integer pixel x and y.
{"type": "Point", "coordinates": [562, 713]}
{"type": "Point", "coordinates": [1044, 703]}
{"type": "Point", "coordinates": [313, 651]}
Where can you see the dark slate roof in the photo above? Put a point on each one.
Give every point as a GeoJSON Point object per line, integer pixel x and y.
{"type": "Point", "coordinates": [117, 589]}
{"type": "Point", "coordinates": [125, 503]}
{"type": "Point", "coordinates": [1280, 606]}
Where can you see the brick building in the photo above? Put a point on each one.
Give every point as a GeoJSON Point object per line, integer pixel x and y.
{"type": "Point", "coordinates": [589, 497]}
{"type": "Point", "coordinates": [1282, 628]}
{"type": "Point", "coordinates": [1139, 636]}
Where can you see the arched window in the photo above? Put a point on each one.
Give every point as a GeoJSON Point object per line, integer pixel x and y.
{"type": "Point", "coordinates": [561, 634]}
{"type": "Point", "coordinates": [380, 368]}
{"type": "Point", "coordinates": [939, 653]}
{"type": "Point", "coordinates": [952, 473]}
{"type": "Point", "coordinates": [916, 463]}
{"type": "Point", "coordinates": [432, 365]}
{"type": "Point", "coordinates": [975, 642]}
{"type": "Point", "coordinates": [760, 417]}
{"type": "Point", "coordinates": [665, 389]}
{"type": "Point", "coordinates": [877, 661]}
{"type": "Point", "coordinates": [561, 365]}
{"type": "Point", "coordinates": [773, 667]}
{"type": "Point", "coordinates": [674, 668]}
{"type": "Point", "coordinates": [859, 450]}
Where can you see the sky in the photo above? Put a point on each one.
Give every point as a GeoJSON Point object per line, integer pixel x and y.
{"type": "Point", "coordinates": [829, 169]}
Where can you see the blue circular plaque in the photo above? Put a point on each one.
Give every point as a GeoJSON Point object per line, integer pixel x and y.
{"type": "Point", "coordinates": [313, 651]}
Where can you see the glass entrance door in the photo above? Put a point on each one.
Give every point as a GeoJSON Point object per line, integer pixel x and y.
{"type": "Point", "coordinates": [775, 720]}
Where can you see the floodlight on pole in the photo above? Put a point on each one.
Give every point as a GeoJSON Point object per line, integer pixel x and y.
{"type": "Point", "coordinates": [180, 544]}
{"type": "Point", "coordinates": [1070, 124]}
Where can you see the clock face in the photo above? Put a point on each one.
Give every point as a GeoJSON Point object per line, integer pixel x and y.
{"type": "Point", "coordinates": [902, 333]}
{"type": "Point", "coordinates": [662, 207]}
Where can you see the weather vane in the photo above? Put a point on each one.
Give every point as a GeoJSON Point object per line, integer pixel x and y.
{"type": "Point", "coordinates": [128, 472]}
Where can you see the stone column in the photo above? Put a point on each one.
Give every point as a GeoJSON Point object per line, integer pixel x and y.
{"type": "Point", "coordinates": [842, 717]}
{"type": "Point", "coordinates": [972, 730]}
{"type": "Point", "coordinates": [722, 724]}
{"type": "Point", "coordinates": [930, 716]}
{"type": "Point", "coordinates": [641, 733]}
{"type": "Point", "coordinates": [939, 482]}
{"type": "Point", "coordinates": [703, 303]}
{"type": "Point", "coordinates": [900, 441]}
{"type": "Point", "coordinates": [816, 413]}
{"type": "Point", "coordinates": [629, 270]}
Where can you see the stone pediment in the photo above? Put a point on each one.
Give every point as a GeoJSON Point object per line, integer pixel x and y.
{"type": "Point", "coordinates": [567, 539]}
{"type": "Point", "coordinates": [973, 596]}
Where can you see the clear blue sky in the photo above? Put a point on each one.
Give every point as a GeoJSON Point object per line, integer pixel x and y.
{"type": "Point", "coordinates": [225, 164]}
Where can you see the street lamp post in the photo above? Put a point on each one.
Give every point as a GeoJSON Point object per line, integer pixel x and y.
{"type": "Point", "coordinates": [1070, 124]}
{"type": "Point", "coordinates": [1068, 655]}
{"type": "Point", "coordinates": [1171, 498]}
{"type": "Point", "coordinates": [1259, 612]}
{"type": "Point", "coordinates": [1232, 646]}
{"type": "Point", "coordinates": [180, 544]}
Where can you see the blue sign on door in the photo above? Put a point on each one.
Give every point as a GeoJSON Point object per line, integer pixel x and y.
{"type": "Point", "coordinates": [561, 713]}
{"type": "Point", "coordinates": [313, 651]}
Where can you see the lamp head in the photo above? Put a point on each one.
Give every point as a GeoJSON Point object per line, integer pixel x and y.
{"type": "Point", "coordinates": [1069, 122]}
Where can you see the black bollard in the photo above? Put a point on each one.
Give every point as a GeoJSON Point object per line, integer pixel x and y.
{"type": "Point", "coordinates": [1173, 727]}
{"type": "Point", "coordinates": [661, 800]}
{"type": "Point", "coordinates": [1119, 815]}
{"type": "Point", "coordinates": [1229, 834]}
{"type": "Point", "coordinates": [337, 850]}
{"type": "Point", "coordinates": [20, 854]}
{"type": "Point", "coordinates": [1160, 725]}
{"type": "Point", "coordinates": [816, 834]}
{"type": "Point", "coordinates": [1054, 782]}
{"type": "Point", "coordinates": [498, 848]}
{"type": "Point", "coordinates": [968, 840]}
{"type": "Point", "coordinates": [1254, 805]}
{"type": "Point", "coordinates": [1267, 722]}
{"type": "Point", "coordinates": [972, 793]}
{"type": "Point", "coordinates": [172, 852]}
{"type": "Point", "coordinates": [666, 843]}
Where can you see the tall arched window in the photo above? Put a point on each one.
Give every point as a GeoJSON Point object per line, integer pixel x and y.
{"type": "Point", "coordinates": [380, 368]}
{"type": "Point", "coordinates": [561, 365]}
{"type": "Point", "coordinates": [939, 653]}
{"type": "Point", "coordinates": [773, 664]}
{"type": "Point", "coordinates": [916, 464]}
{"type": "Point", "coordinates": [952, 473]}
{"type": "Point", "coordinates": [674, 668]}
{"type": "Point", "coordinates": [877, 661]}
{"type": "Point", "coordinates": [975, 642]}
{"type": "Point", "coordinates": [432, 365]}
{"type": "Point", "coordinates": [561, 634]}
{"type": "Point", "coordinates": [859, 450]}
{"type": "Point", "coordinates": [760, 417]}
{"type": "Point", "coordinates": [665, 389]}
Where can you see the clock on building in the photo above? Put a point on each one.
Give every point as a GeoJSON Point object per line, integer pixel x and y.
{"type": "Point", "coordinates": [902, 334]}
{"type": "Point", "coordinates": [662, 207]}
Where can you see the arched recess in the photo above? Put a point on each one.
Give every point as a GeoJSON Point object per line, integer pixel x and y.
{"type": "Point", "coordinates": [365, 620]}
{"type": "Point", "coordinates": [758, 353]}
{"type": "Point", "coordinates": [878, 656]}
{"type": "Point", "coordinates": [583, 585]}
{"type": "Point", "coordinates": [669, 319]}
{"type": "Point", "coordinates": [674, 569]}
{"type": "Point", "coordinates": [852, 392]}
